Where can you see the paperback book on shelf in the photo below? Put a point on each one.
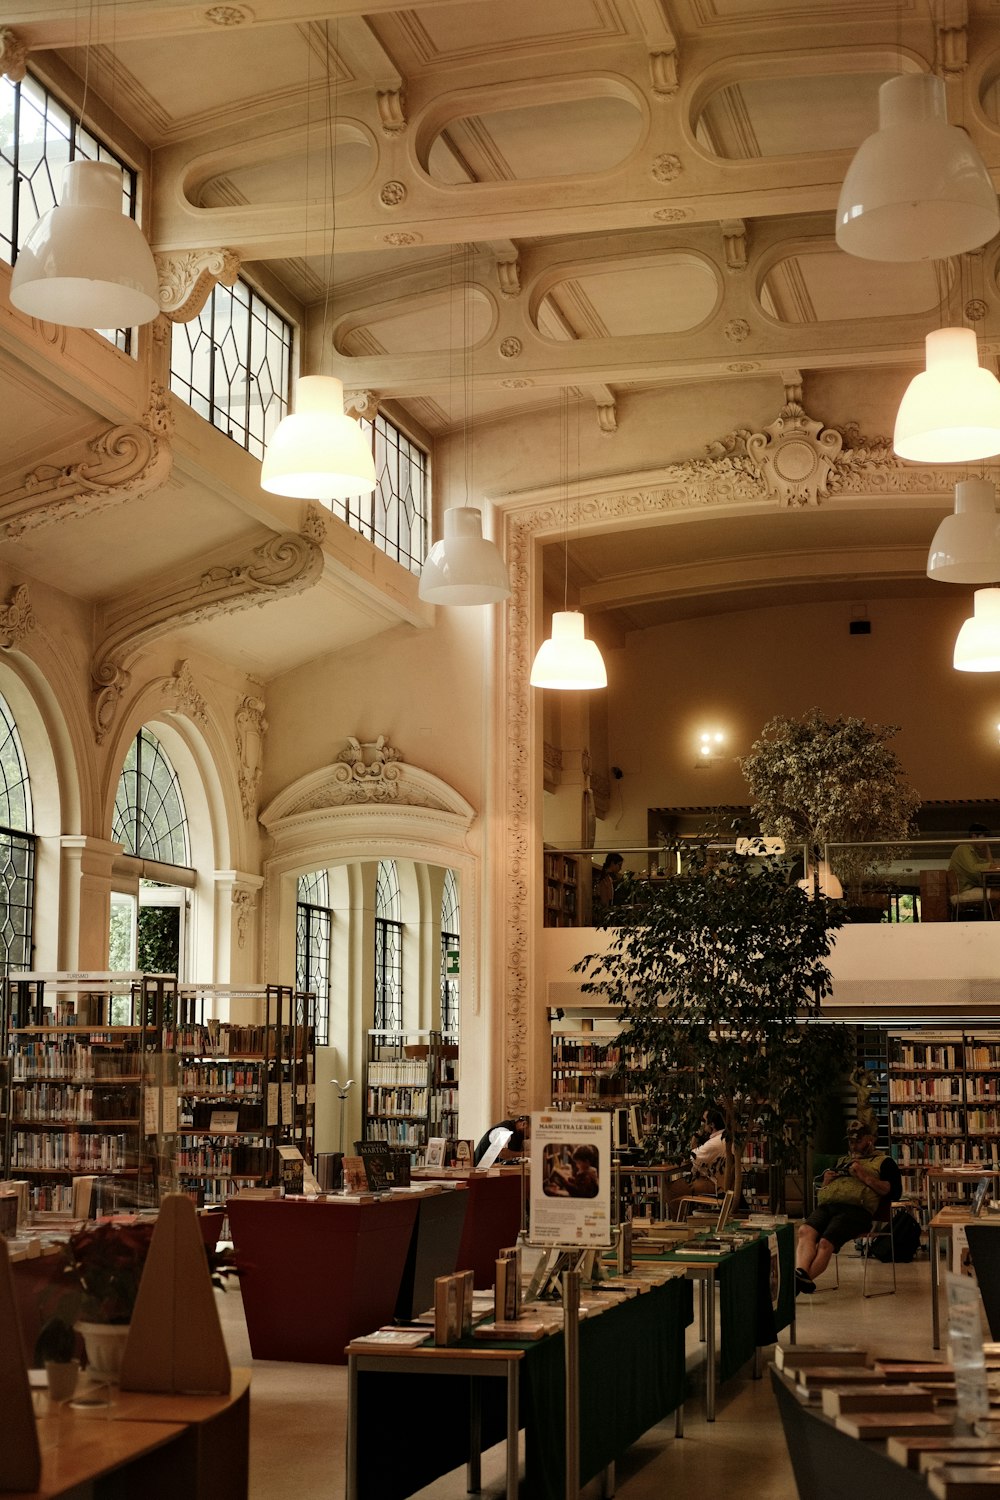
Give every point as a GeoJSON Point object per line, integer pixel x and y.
{"type": "Point", "coordinates": [399, 1338]}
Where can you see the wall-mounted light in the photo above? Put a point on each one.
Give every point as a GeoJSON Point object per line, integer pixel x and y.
{"type": "Point", "coordinates": [710, 743]}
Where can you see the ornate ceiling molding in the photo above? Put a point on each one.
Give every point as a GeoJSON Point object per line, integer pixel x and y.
{"type": "Point", "coordinates": [17, 618]}
{"type": "Point", "coordinates": [186, 698]}
{"type": "Point", "coordinates": [738, 471]}
{"type": "Point", "coordinates": [121, 463]}
{"type": "Point", "coordinates": [13, 55]}
{"type": "Point", "coordinates": [280, 566]}
{"type": "Point", "coordinates": [188, 276]}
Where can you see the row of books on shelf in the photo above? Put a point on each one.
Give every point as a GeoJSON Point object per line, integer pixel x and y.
{"type": "Point", "coordinates": [214, 1038]}
{"type": "Point", "coordinates": [403, 1133]}
{"type": "Point", "coordinates": [222, 1078]}
{"type": "Point", "coordinates": [923, 1153]}
{"type": "Point", "coordinates": [946, 1087]}
{"type": "Point", "coordinates": [930, 1120]}
{"type": "Point", "coordinates": [916, 1056]}
{"type": "Point", "coordinates": [567, 1052]}
{"type": "Point", "coordinates": [207, 1190]}
{"type": "Point", "coordinates": [401, 1072]}
{"type": "Point", "coordinates": [50, 1103]}
{"type": "Point", "coordinates": [71, 1151]}
{"type": "Point", "coordinates": [72, 1061]}
{"type": "Point", "coordinates": [384, 1100]}
{"type": "Point", "coordinates": [589, 1086]}
{"type": "Point", "coordinates": [217, 1160]}
{"type": "Point", "coordinates": [213, 1115]}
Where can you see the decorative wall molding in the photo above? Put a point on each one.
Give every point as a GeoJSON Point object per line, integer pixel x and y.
{"type": "Point", "coordinates": [188, 276]}
{"type": "Point", "coordinates": [361, 404]}
{"type": "Point", "coordinates": [366, 773]}
{"type": "Point", "coordinates": [282, 565]}
{"type": "Point", "coordinates": [737, 471]}
{"type": "Point", "coordinates": [251, 727]}
{"type": "Point", "coordinates": [509, 277]}
{"type": "Point", "coordinates": [552, 764]}
{"type": "Point", "coordinates": [664, 74]}
{"type": "Point", "coordinates": [244, 905]}
{"type": "Point", "coordinates": [186, 697]}
{"type": "Point", "coordinates": [391, 111]}
{"type": "Point", "coordinates": [607, 417]}
{"type": "Point", "coordinates": [119, 464]}
{"type": "Point", "coordinates": [951, 22]}
{"type": "Point", "coordinates": [734, 244]}
{"type": "Point", "coordinates": [17, 618]}
{"type": "Point", "coordinates": [13, 55]}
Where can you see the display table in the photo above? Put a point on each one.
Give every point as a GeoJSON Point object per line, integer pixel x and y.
{"type": "Point", "coordinates": [944, 1222]}
{"type": "Point", "coordinates": [313, 1275]}
{"type": "Point", "coordinates": [748, 1320]}
{"type": "Point", "coordinates": [631, 1377]}
{"type": "Point", "coordinates": [149, 1445]}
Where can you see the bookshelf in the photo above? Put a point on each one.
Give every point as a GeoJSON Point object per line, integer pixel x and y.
{"type": "Point", "coordinates": [943, 1105]}
{"type": "Point", "coordinates": [411, 1088]}
{"type": "Point", "coordinates": [246, 1085]}
{"type": "Point", "coordinates": [92, 1088]}
{"type": "Point", "coordinates": [561, 893]}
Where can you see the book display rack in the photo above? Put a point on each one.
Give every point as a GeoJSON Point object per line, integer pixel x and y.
{"type": "Point", "coordinates": [411, 1088]}
{"type": "Point", "coordinates": [92, 1089]}
{"type": "Point", "coordinates": [247, 1086]}
{"type": "Point", "coordinates": [943, 1105]}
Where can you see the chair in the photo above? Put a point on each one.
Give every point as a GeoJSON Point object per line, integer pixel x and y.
{"type": "Point", "coordinates": [881, 1227]}
{"type": "Point", "coordinates": [967, 905]}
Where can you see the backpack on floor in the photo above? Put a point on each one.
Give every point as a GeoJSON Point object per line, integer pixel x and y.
{"type": "Point", "coordinates": [905, 1236]}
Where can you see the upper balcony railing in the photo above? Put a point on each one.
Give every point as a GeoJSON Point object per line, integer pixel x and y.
{"type": "Point", "coordinates": [898, 882]}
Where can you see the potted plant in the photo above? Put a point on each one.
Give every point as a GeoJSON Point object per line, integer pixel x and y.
{"type": "Point", "coordinates": [715, 973]}
{"type": "Point", "coordinates": [104, 1262]}
{"type": "Point", "coordinates": [55, 1348]}
{"type": "Point", "coordinates": [816, 781]}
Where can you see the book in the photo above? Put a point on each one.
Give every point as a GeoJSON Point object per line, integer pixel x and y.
{"type": "Point", "coordinates": [521, 1331]}
{"type": "Point", "coordinates": [837, 1399]}
{"type": "Point", "coordinates": [377, 1160]}
{"type": "Point", "coordinates": [400, 1338]}
{"type": "Point", "coordinates": [448, 1306]}
{"type": "Point", "coordinates": [909, 1451]}
{"type": "Point", "coordinates": [884, 1424]}
{"type": "Point", "coordinates": [798, 1356]}
{"type": "Point", "coordinates": [953, 1482]}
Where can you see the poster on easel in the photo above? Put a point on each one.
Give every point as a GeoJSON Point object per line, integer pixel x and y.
{"type": "Point", "coordinates": [570, 1179]}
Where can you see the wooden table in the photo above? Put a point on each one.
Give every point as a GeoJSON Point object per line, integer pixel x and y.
{"type": "Point", "coordinates": [936, 1177]}
{"type": "Point", "coordinates": [152, 1446]}
{"type": "Point", "coordinates": [940, 1233]}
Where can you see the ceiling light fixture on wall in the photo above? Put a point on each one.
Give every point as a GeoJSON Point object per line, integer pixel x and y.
{"type": "Point", "coordinates": [917, 189]}
{"type": "Point", "coordinates": [318, 452]}
{"type": "Point", "coordinates": [977, 648]}
{"type": "Point", "coordinates": [966, 545]}
{"type": "Point", "coordinates": [950, 412]}
{"type": "Point", "coordinates": [464, 567]}
{"type": "Point", "coordinates": [568, 660]}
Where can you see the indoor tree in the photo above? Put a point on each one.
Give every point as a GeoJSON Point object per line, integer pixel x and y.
{"type": "Point", "coordinates": [718, 976]}
{"type": "Point", "coordinates": [816, 781]}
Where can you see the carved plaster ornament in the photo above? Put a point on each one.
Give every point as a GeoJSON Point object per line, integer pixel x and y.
{"type": "Point", "coordinates": [510, 347]}
{"type": "Point", "coordinates": [316, 525]}
{"type": "Point", "coordinates": [401, 238]}
{"type": "Point", "coordinates": [671, 215]}
{"type": "Point", "coordinates": [734, 244]}
{"type": "Point", "coordinates": [368, 770]}
{"type": "Point", "coordinates": [736, 330]}
{"type": "Point", "coordinates": [607, 417]}
{"type": "Point", "coordinates": [516, 383]}
{"type": "Point", "coordinates": [251, 727]}
{"type": "Point", "coordinates": [244, 903]}
{"type": "Point", "coordinates": [795, 454]}
{"type": "Point", "coordinates": [361, 404]}
{"type": "Point", "coordinates": [13, 55]}
{"type": "Point", "coordinates": [951, 20]}
{"type": "Point", "coordinates": [509, 277]}
{"type": "Point", "coordinates": [181, 688]}
{"type": "Point", "coordinates": [121, 463]}
{"type": "Point", "coordinates": [392, 194]}
{"type": "Point", "coordinates": [229, 15]}
{"type": "Point", "coordinates": [664, 74]}
{"type": "Point", "coordinates": [17, 618]}
{"type": "Point", "coordinates": [187, 277]}
{"type": "Point", "coordinates": [666, 167]}
{"type": "Point", "coordinates": [283, 565]}
{"type": "Point", "coordinates": [391, 111]}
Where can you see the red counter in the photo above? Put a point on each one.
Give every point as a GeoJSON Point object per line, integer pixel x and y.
{"type": "Point", "coordinates": [315, 1275]}
{"type": "Point", "coordinates": [492, 1219]}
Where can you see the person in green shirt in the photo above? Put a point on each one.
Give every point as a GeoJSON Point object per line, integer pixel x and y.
{"type": "Point", "coordinates": [966, 867]}
{"type": "Point", "coordinates": [846, 1203]}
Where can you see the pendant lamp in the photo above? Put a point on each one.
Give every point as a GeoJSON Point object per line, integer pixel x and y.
{"type": "Point", "coordinates": [950, 413]}
{"type": "Point", "coordinates": [318, 452]}
{"type": "Point", "coordinates": [966, 545]}
{"type": "Point", "coordinates": [567, 659]}
{"type": "Point", "coordinates": [917, 189]}
{"type": "Point", "coordinates": [464, 567]}
{"type": "Point", "coordinates": [977, 648]}
{"type": "Point", "coordinates": [85, 264]}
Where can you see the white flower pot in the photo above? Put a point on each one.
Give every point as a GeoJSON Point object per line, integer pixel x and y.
{"type": "Point", "coordinates": [62, 1378]}
{"type": "Point", "coordinates": [105, 1346]}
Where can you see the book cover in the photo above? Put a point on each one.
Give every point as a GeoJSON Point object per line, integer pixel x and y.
{"type": "Point", "coordinates": [447, 1310]}
{"type": "Point", "coordinates": [399, 1338]}
{"type": "Point", "coordinates": [376, 1158]}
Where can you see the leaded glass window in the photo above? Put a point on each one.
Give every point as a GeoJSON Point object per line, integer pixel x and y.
{"type": "Point", "coordinates": [450, 953]}
{"type": "Point", "coordinates": [17, 848]}
{"type": "Point", "coordinates": [150, 821]}
{"type": "Point", "coordinates": [313, 937]}
{"type": "Point", "coordinates": [394, 514]}
{"type": "Point", "coordinates": [388, 949]}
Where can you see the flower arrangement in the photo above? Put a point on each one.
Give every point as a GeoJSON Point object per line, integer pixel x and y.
{"type": "Point", "coordinates": [106, 1262]}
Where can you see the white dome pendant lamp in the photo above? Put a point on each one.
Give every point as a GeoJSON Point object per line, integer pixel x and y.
{"type": "Point", "coordinates": [977, 648]}
{"type": "Point", "coordinates": [85, 263]}
{"type": "Point", "coordinates": [464, 567]}
{"type": "Point", "coordinates": [318, 452]}
{"type": "Point", "coordinates": [966, 545]}
{"type": "Point", "coordinates": [950, 412]}
{"type": "Point", "coordinates": [568, 659]}
{"type": "Point", "coordinates": [917, 189]}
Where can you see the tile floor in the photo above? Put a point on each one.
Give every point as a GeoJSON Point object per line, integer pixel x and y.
{"type": "Point", "coordinates": [299, 1411]}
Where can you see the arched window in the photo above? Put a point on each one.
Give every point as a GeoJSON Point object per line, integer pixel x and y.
{"type": "Point", "coordinates": [450, 953]}
{"type": "Point", "coordinates": [17, 848]}
{"type": "Point", "coordinates": [313, 935]}
{"type": "Point", "coordinates": [388, 949]}
{"type": "Point", "coordinates": [150, 823]}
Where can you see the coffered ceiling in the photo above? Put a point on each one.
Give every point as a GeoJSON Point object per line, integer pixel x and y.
{"type": "Point", "coordinates": [499, 203]}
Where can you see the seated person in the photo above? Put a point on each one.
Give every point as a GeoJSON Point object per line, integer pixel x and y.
{"type": "Point", "coordinates": [708, 1158]}
{"type": "Point", "coordinates": [846, 1203]}
{"type": "Point", "coordinates": [514, 1148]}
{"type": "Point", "coordinates": [966, 866]}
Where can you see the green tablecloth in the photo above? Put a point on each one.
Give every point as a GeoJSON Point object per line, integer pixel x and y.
{"type": "Point", "coordinates": [746, 1315]}
{"type": "Point", "coordinates": [414, 1428]}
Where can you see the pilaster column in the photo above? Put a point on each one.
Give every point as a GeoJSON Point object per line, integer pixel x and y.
{"type": "Point", "coordinates": [237, 944]}
{"type": "Point", "coordinates": [85, 901]}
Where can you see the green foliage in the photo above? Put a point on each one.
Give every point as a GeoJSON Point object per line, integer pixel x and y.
{"type": "Point", "coordinates": [715, 974]}
{"type": "Point", "coordinates": [814, 781]}
{"type": "Point", "coordinates": [158, 940]}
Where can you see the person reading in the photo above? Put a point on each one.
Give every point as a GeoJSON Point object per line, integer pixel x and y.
{"type": "Point", "coordinates": [708, 1156]}
{"type": "Point", "coordinates": [849, 1197]}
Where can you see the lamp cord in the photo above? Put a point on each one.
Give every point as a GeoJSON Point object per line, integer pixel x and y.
{"type": "Point", "coordinates": [332, 109]}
